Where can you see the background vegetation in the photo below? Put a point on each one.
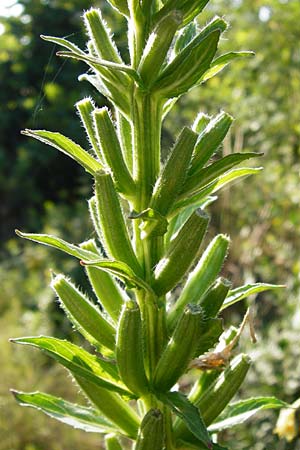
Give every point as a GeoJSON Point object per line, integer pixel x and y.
{"type": "Point", "coordinates": [41, 190]}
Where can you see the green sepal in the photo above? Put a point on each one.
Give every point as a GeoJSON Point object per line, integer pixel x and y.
{"type": "Point", "coordinates": [120, 5]}
{"type": "Point", "coordinates": [85, 316]}
{"type": "Point", "coordinates": [189, 414]}
{"type": "Point", "coordinates": [85, 108]}
{"type": "Point", "coordinates": [214, 298]}
{"type": "Point", "coordinates": [77, 416]}
{"type": "Point", "coordinates": [201, 122]}
{"type": "Point", "coordinates": [240, 411]}
{"type": "Point", "coordinates": [210, 139]}
{"type": "Point", "coordinates": [180, 349]}
{"type": "Point", "coordinates": [129, 349]}
{"type": "Point", "coordinates": [151, 433]}
{"type": "Point", "coordinates": [98, 371]}
{"type": "Point", "coordinates": [66, 146]}
{"type": "Point", "coordinates": [181, 253]}
{"type": "Point", "coordinates": [112, 153]}
{"type": "Point", "coordinates": [108, 292]}
{"type": "Point", "coordinates": [115, 234]}
{"type": "Point", "coordinates": [93, 211]}
{"type": "Point", "coordinates": [185, 36]}
{"type": "Point", "coordinates": [157, 47]}
{"type": "Point", "coordinates": [63, 43]}
{"type": "Point", "coordinates": [112, 442]}
{"type": "Point", "coordinates": [212, 330]}
{"type": "Point", "coordinates": [201, 178]}
{"type": "Point", "coordinates": [222, 61]}
{"type": "Point", "coordinates": [152, 223]}
{"type": "Point", "coordinates": [201, 278]}
{"type": "Point", "coordinates": [173, 174]}
{"type": "Point", "coordinates": [238, 294]}
{"type": "Point", "coordinates": [111, 406]}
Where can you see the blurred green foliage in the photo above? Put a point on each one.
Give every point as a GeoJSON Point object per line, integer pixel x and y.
{"type": "Point", "coordinates": [41, 190]}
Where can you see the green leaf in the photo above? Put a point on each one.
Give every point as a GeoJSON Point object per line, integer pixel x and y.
{"type": "Point", "coordinates": [153, 223]}
{"type": "Point", "coordinates": [60, 244]}
{"type": "Point", "coordinates": [63, 42]}
{"type": "Point", "coordinates": [120, 270]}
{"type": "Point", "coordinates": [77, 416]}
{"type": "Point", "coordinates": [221, 62]}
{"type": "Point", "coordinates": [189, 414]}
{"type": "Point", "coordinates": [209, 174]}
{"type": "Point", "coordinates": [67, 146]}
{"type": "Point", "coordinates": [96, 370]}
{"type": "Point", "coordinates": [238, 294]}
{"type": "Point", "coordinates": [240, 411]}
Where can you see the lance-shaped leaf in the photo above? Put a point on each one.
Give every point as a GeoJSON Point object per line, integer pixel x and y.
{"type": "Point", "coordinates": [63, 43]}
{"type": "Point", "coordinates": [203, 177]}
{"type": "Point", "coordinates": [77, 416]}
{"type": "Point", "coordinates": [120, 5]}
{"type": "Point", "coordinates": [111, 151]}
{"type": "Point", "coordinates": [210, 139]}
{"type": "Point", "coordinates": [201, 122]}
{"type": "Point", "coordinates": [200, 195]}
{"type": "Point", "coordinates": [157, 47]}
{"type": "Point", "coordinates": [112, 406]}
{"type": "Point", "coordinates": [185, 36]}
{"type": "Point", "coordinates": [238, 294]}
{"type": "Point", "coordinates": [108, 292]}
{"type": "Point", "coordinates": [173, 175]}
{"type": "Point", "coordinates": [120, 270]}
{"type": "Point", "coordinates": [182, 251]}
{"type": "Point", "coordinates": [189, 414]}
{"type": "Point", "coordinates": [238, 412]}
{"type": "Point", "coordinates": [115, 234]}
{"type": "Point", "coordinates": [201, 277]}
{"type": "Point", "coordinates": [222, 61]}
{"type": "Point", "coordinates": [98, 371]}
{"type": "Point", "coordinates": [185, 70]}
{"type": "Point", "coordinates": [60, 244]}
{"type": "Point", "coordinates": [67, 146]}
{"type": "Point", "coordinates": [125, 137]}
{"type": "Point", "coordinates": [85, 109]}
{"type": "Point", "coordinates": [85, 316]}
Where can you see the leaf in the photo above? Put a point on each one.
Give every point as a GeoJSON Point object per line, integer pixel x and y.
{"type": "Point", "coordinates": [238, 294]}
{"type": "Point", "coordinates": [76, 416]}
{"type": "Point", "coordinates": [241, 411]}
{"type": "Point", "coordinates": [221, 62]}
{"type": "Point", "coordinates": [60, 244]}
{"type": "Point", "coordinates": [67, 146]}
{"type": "Point", "coordinates": [63, 42]}
{"type": "Point", "coordinates": [153, 223]}
{"type": "Point", "coordinates": [190, 415]}
{"type": "Point", "coordinates": [114, 67]}
{"type": "Point", "coordinates": [96, 370]}
{"type": "Point", "coordinates": [120, 270]}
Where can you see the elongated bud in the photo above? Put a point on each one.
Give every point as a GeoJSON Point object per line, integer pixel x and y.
{"type": "Point", "coordinates": [189, 8]}
{"type": "Point", "coordinates": [113, 227]}
{"type": "Point", "coordinates": [202, 276]}
{"type": "Point", "coordinates": [201, 122]}
{"type": "Point", "coordinates": [112, 406]}
{"type": "Point", "coordinates": [112, 152]}
{"type": "Point", "coordinates": [85, 108]}
{"type": "Point", "coordinates": [210, 139]}
{"type": "Point", "coordinates": [84, 314]}
{"type": "Point", "coordinates": [151, 432]}
{"type": "Point", "coordinates": [189, 65]}
{"type": "Point", "coordinates": [112, 442]}
{"type": "Point", "coordinates": [157, 47]}
{"type": "Point", "coordinates": [214, 298]}
{"type": "Point", "coordinates": [217, 393]}
{"type": "Point", "coordinates": [185, 36]}
{"type": "Point", "coordinates": [109, 294]}
{"type": "Point", "coordinates": [180, 348]}
{"type": "Point", "coordinates": [129, 349]}
{"type": "Point", "coordinates": [174, 173]}
{"type": "Point", "coordinates": [181, 253]}
{"type": "Point", "coordinates": [99, 34]}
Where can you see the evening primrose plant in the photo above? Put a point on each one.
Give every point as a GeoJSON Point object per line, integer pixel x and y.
{"type": "Point", "coordinates": [150, 222]}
